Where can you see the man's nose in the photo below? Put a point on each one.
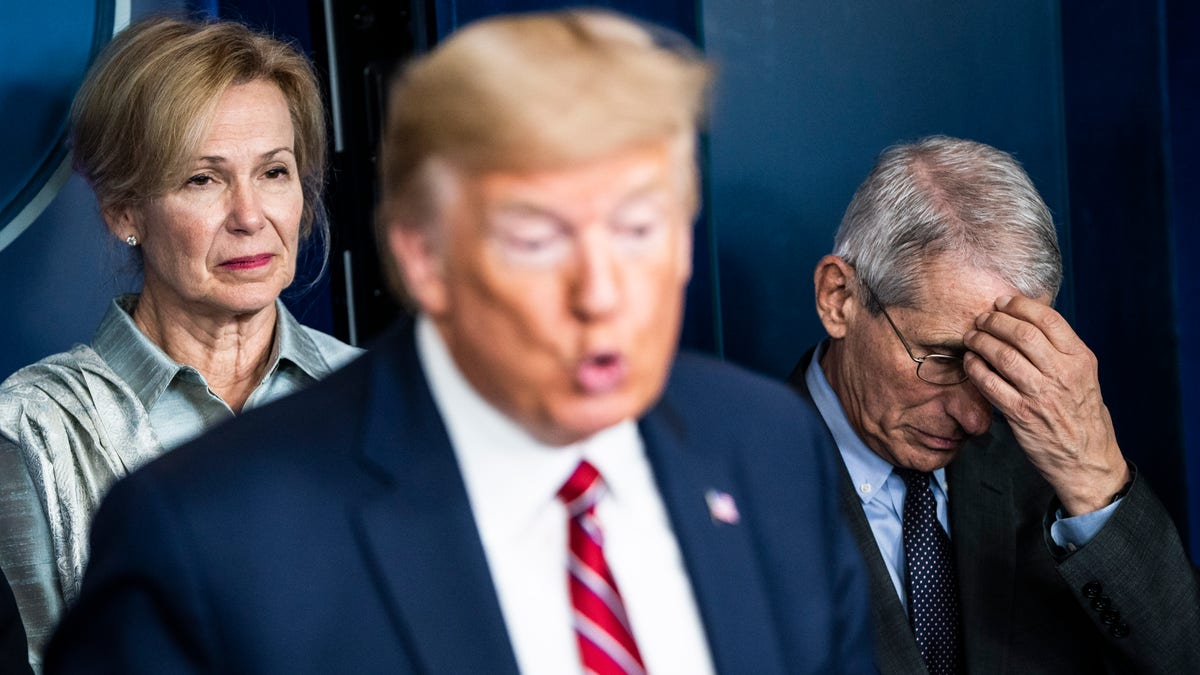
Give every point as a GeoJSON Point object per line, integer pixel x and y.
{"type": "Point", "coordinates": [969, 408]}
{"type": "Point", "coordinates": [597, 289]}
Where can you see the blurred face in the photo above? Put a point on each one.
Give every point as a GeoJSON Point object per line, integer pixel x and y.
{"type": "Point", "coordinates": [560, 293]}
{"type": "Point", "coordinates": [902, 418]}
{"type": "Point", "coordinates": [224, 242]}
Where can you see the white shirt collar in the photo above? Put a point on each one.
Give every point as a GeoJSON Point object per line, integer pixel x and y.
{"type": "Point", "coordinates": [509, 474]}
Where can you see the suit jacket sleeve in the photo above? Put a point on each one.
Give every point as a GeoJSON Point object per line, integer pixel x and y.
{"type": "Point", "coordinates": [13, 654]}
{"type": "Point", "coordinates": [140, 609]}
{"type": "Point", "coordinates": [1135, 582]}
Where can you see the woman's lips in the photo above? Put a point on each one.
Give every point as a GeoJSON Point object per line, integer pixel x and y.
{"type": "Point", "coordinates": [600, 373]}
{"type": "Point", "coordinates": [248, 262]}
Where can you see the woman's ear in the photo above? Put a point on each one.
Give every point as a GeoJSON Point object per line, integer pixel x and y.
{"type": "Point", "coordinates": [122, 222]}
{"type": "Point", "coordinates": [833, 286]}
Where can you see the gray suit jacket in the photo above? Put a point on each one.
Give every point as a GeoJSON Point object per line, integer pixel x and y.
{"type": "Point", "coordinates": [1128, 602]}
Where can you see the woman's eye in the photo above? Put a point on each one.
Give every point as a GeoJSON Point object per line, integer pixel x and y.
{"type": "Point", "coordinates": [200, 180]}
{"type": "Point", "coordinates": [278, 172]}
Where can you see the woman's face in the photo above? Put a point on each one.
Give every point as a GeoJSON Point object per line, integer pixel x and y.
{"type": "Point", "coordinates": [224, 242]}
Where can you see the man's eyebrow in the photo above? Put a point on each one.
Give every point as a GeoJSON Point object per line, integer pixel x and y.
{"type": "Point", "coordinates": [938, 341]}
{"type": "Point", "coordinates": [947, 347]}
{"type": "Point", "coordinates": [523, 207]}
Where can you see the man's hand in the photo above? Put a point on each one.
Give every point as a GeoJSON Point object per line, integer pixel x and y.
{"type": "Point", "coordinates": [1028, 362]}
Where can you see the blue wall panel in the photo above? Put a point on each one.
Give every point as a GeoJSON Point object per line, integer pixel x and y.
{"type": "Point", "coordinates": [1182, 59]}
{"type": "Point", "coordinates": [1117, 139]}
{"type": "Point", "coordinates": [810, 92]}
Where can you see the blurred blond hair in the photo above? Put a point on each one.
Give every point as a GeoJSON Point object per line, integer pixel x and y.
{"type": "Point", "coordinates": [535, 92]}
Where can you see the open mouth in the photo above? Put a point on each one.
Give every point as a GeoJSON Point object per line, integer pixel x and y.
{"type": "Point", "coordinates": [600, 372]}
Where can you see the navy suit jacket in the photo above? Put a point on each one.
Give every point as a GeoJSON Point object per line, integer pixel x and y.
{"type": "Point", "coordinates": [14, 652]}
{"type": "Point", "coordinates": [331, 532]}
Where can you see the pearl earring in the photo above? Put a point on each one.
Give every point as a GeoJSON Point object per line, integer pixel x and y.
{"type": "Point", "coordinates": [131, 240]}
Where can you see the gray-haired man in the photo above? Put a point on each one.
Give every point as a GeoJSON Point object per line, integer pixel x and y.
{"type": "Point", "coordinates": [1023, 542]}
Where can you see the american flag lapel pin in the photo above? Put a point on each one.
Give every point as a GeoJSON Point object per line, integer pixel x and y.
{"type": "Point", "coordinates": [722, 507]}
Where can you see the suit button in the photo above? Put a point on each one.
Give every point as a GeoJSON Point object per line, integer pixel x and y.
{"type": "Point", "coordinates": [1093, 589]}
{"type": "Point", "coordinates": [1101, 603]}
{"type": "Point", "coordinates": [1120, 630]}
{"type": "Point", "coordinates": [1109, 616]}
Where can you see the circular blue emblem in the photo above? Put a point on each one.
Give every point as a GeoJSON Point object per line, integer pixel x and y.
{"type": "Point", "coordinates": [45, 49]}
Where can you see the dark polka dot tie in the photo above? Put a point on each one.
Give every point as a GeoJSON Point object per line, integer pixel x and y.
{"type": "Point", "coordinates": [930, 579]}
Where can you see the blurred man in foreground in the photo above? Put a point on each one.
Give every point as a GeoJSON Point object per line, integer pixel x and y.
{"type": "Point", "coordinates": [1020, 543]}
{"type": "Point", "coordinates": [530, 480]}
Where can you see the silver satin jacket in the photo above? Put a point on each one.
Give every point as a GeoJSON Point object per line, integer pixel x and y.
{"type": "Point", "coordinates": [73, 423]}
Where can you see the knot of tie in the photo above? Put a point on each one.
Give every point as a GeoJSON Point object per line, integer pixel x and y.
{"type": "Point", "coordinates": [912, 478]}
{"type": "Point", "coordinates": [582, 490]}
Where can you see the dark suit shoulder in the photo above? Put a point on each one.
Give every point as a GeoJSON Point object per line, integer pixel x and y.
{"type": "Point", "coordinates": [295, 453]}
{"type": "Point", "coordinates": [714, 393]}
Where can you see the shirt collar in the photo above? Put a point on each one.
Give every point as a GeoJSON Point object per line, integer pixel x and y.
{"type": "Point", "coordinates": [148, 371]}
{"type": "Point", "coordinates": [510, 476]}
{"type": "Point", "coordinates": [868, 471]}
{"type": "Point", "coordinates": [294, 345]}
{"type": "Point", "coordinates": [125, 348]}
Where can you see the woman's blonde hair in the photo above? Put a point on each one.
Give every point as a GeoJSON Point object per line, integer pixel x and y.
{"type": "Point", "coordinates": [142, 111]}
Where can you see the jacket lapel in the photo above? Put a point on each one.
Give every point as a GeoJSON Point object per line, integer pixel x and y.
{"type": "Point", "coordinates": [896, 650]}
{"type": "Point", "coordinates": [720, 556]}
{"type": "Point", "coordinates": [895, 647]}
{"type": "Point", "coordinates": [418, 531]}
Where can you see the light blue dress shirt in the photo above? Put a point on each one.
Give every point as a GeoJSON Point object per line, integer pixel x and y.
{"type": "Point", "coordinates": [882, 492]}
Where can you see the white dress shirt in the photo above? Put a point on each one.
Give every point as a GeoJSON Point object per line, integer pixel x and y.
{"type": "Point", "coordinates": [512, 482]}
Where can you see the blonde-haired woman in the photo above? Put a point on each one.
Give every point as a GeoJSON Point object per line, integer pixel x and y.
{"type": "Point", "coordinates": [205, 146]}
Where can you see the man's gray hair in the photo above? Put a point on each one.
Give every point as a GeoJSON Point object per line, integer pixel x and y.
{"type": "Point", "coordinates": [947, 196]}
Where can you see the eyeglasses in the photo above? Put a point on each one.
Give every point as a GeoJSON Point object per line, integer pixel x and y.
{"type": "Point", "coordinates": [939, 369]}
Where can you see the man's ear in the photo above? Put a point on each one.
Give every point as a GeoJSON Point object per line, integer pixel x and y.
{"type": "Point", "coordinates": [418, 261]}
{"type": "Point", "coordinates": [833, 286]}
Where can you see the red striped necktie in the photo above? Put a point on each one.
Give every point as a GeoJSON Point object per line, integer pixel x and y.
{"type": "Point", "coordinates": [606, 645]}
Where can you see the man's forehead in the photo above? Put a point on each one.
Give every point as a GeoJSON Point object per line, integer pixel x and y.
{"type": "Point", "coordinates": [626, 174]}
{"type": "Point", "coordinates": [950, 280]}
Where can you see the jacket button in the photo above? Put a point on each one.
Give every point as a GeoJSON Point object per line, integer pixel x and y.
{"type": "Point", "coordinates": [1120, 630]}
{"type": "Point", "coordinates": [1109, 617]}
{"type": "Point", "coordinates": [1092, 589]}
{"type": "Point", "coordinates": [1101, 603]}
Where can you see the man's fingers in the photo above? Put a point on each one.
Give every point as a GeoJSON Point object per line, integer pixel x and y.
{"type": "Point", "coordinates": [1019, 361]}
{"type": "Point", "coordinates": [997, 390]}
{"type": "Point", "coordinates": [1006, 330]}
{"type": "Point", "coordinates": [1045, 319]}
